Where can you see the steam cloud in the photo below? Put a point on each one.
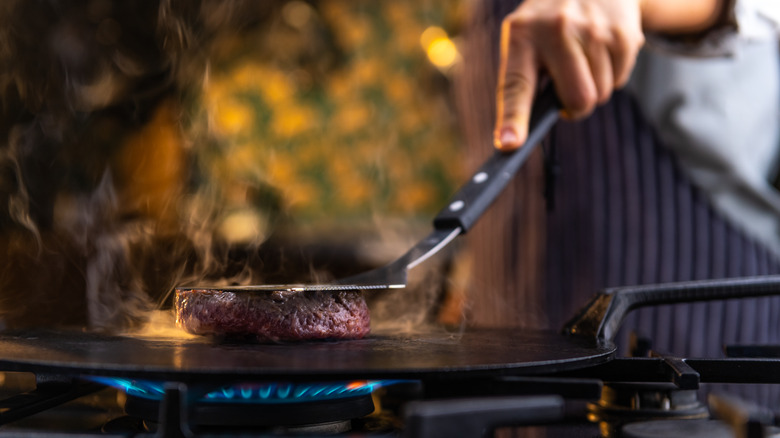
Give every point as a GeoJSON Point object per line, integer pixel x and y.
{"type": "Point", "coordinates": [101, 215]}
{"type": "Point", "coordinates": [98, 221]}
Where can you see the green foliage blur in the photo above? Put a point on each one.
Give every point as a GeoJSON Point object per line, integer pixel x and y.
{"type": "Point", "coordinates": [335, 110]}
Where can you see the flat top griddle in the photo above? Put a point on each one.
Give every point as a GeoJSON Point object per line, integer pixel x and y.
{"type": "Point", "coordinates": [424, 354]}
{"type": "Point", "coordinates": [418, 355]}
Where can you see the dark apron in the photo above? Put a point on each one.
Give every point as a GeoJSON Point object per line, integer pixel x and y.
{"type": "Point", "coordinates": [622, 213]}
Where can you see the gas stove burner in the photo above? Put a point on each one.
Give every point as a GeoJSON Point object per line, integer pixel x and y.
{"type": "Point", "coordinates": [303, 406]}
{"type": "Point", "coordinates": [254, 393]}
{"type": "Point", "coordinates": [640, 401]}
{"type": "Point", "coordinates": [623, 403]}
{"type": "Point", "coordinates": [291, 393]}
{"type": "Point", "coordinates": [328, 414]}
{"type": "Point", "coordinates": [677, 429]}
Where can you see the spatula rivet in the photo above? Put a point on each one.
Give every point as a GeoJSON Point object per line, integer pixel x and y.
{"type": "Point", "coordinates": [480, 177]}
{"type": "Point", "coordinates": [457, 205]}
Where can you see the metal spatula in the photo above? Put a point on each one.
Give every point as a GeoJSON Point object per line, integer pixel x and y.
{"type": "Point", "coordinates": [460, 214]}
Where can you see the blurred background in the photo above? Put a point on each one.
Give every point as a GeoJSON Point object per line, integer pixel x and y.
{"type": "Point", "coordinates": [157, 143]}
{"type": "Point", "coordinates": [337, 112]}
{"type": "Point", "coordinates": [330, 135]}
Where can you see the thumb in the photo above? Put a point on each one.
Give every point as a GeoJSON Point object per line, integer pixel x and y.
{"type": "Point", "coordinates": [518, 74]}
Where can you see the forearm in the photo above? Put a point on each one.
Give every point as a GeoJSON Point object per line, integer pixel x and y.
{"type": "Point", "coordinates": [682, 16]}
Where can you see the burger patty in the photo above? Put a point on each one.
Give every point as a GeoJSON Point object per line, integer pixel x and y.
{"type": "Point", "coordinates": [273, 316]}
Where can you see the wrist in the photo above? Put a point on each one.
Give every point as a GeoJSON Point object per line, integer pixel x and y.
{"type": "Point", "coordinates": [683, 17]}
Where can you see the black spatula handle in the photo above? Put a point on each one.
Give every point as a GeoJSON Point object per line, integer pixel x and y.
{"type": "Point", "coordinates": [468, 204]}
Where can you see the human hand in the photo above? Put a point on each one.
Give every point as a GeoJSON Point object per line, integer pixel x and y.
{"type": "Point", "coordinates": [587, 47]}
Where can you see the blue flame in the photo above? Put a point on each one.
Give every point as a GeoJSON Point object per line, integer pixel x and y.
{"type": "Point", "coordinates": [270, 393]}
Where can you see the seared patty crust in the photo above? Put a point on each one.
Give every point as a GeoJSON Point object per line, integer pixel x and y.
{"type": "Point", "coordinates": [273, 316]}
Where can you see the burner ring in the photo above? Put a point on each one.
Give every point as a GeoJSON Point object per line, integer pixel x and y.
{"type": "Point", "coordinates": [623, 403]}
{"type": "Point", "coordinates": [306, 414]}
{"type": "Point", "coordinates": [640, 401]}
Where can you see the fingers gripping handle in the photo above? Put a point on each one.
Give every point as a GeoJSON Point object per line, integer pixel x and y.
{"type": "Point", "coordinates": [468, 204]}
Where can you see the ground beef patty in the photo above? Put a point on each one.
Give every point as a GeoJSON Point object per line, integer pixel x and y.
{"type": "Point", "coordinates": [273, 316]}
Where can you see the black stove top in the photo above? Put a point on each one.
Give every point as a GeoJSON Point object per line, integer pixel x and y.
{"type": "Point", "coordinates": [428, 384]}
{"type": "Point", "coordinates": [574, 404]}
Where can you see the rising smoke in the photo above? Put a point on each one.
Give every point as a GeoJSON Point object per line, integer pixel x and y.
{"type": "Point", "coordinates": [102, 209]}
{"type": "Point", "coordinates": [99, 217]}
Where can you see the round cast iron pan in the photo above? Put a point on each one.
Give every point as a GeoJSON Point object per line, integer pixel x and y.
{"type": "Point", "coordinates": [413, 356]}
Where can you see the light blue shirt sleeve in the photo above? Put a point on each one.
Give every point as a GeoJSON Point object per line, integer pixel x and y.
{"type": "Point", "coordinates": [748, 21]}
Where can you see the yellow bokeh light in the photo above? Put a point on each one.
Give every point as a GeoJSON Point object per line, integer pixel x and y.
{"type": "Point", "coordinates": [277, 88]}
{"type": "Point", "coordinates": [443, 53]}
{"type": "Point", "coordinates": [441, 50]}
{"type": "Point", "coordinates": [328, 137]}
{"type": "Point", "coordinates": [233, 117]}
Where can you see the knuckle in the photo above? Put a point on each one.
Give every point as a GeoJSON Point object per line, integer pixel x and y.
{"type": "Point", "coordinates": [569, 18]}
{"type": "Point", "coordinates": [562, 22]}
{"type": "Point", "coordinates": [517, 21]}
{"type": "Point", "coordinates": [620, 39]}
{"type": "Point", "coordinates": [628, 41]}
{"type": "Point", "coordinates": [517, 29]}
{"type": "Point", "coordinates": [595, 34]}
